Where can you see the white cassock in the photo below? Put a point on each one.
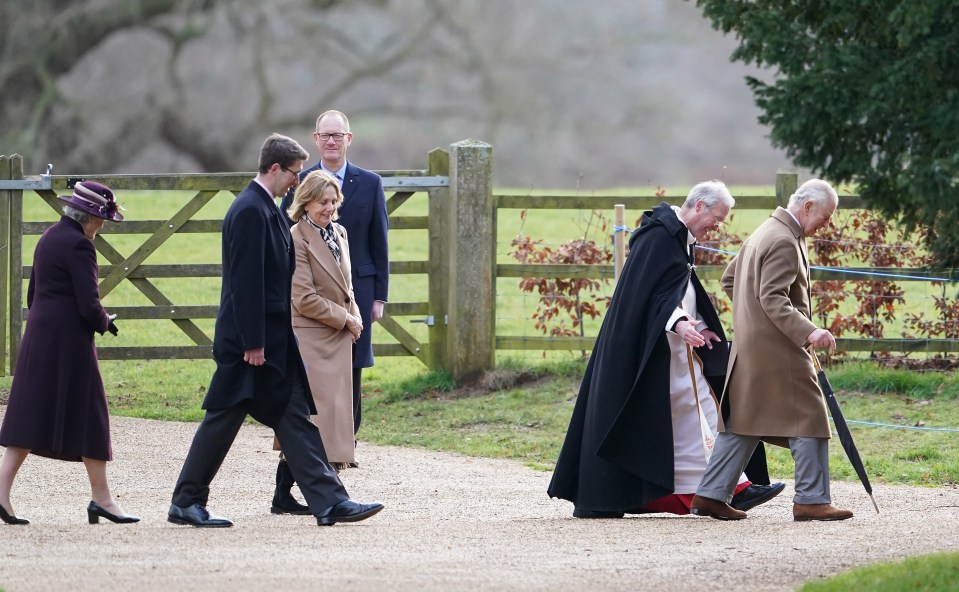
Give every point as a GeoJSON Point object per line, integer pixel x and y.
{"type": "Point", "coordinates": [689, 449]}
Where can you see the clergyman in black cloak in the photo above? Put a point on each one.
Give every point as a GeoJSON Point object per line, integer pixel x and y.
{"type": "Point", "coordinates": [618, 452]}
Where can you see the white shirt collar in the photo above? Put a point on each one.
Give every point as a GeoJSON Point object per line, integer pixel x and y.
{"type": "Point", "coordinates": [265, 188]}
{"type": "Point", "coordinates": [798, 223]}
{"type": "Point", "coordinates": [339, 174]}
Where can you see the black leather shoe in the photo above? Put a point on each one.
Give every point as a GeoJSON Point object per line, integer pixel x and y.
{"type": "Point", "coordinates": [289, 506]}
{"type": "Point", "coordinates": [754, 495]}
{"type": "Point", "coordinates": [196, 515]}
{"type": "Point", "coordinates": [10, 518]}
{"type": "Point", "coordinates": [95, 511]}
{"type": "Point", "coordinates": [577, 513]}
{"type": "Point", "coordinates": [347, 511]}
{"type": "Point", "coordinates": [283, 500]}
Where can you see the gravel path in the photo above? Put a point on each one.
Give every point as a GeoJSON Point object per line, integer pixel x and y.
{"type": "Point", "coordinates": [450, 523]}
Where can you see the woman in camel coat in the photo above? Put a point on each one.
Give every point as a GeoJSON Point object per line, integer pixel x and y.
{"type": "Point", "coordinates": [326, 318]}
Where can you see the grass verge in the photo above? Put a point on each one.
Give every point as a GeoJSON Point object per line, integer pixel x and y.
{"type": "Point", "coordinates": [929, 573]}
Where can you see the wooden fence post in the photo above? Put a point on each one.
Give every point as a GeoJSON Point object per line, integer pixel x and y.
{"type": "Point", "coordinates": [471, 347]}
{"type": "Point", "coordinates": [441, 240]}
{"type": "Point", "coordinates": [7, 166]}
{"type": "Point", "coordinates": [786, 185]}
{"type": "Point", "coordinates": [15, 271]}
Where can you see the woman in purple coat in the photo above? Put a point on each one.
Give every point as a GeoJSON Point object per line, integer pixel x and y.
{"type": "Point", "coordinates": [57, 405]}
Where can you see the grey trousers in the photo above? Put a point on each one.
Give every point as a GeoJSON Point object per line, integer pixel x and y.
{"type": "Point", "coordinates": [732, 451]}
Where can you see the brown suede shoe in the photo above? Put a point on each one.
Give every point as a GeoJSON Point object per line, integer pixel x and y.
{"type": "Point", "coordinates": [703, 506]}
{"type": "Point", "coordinates": [823, 512]}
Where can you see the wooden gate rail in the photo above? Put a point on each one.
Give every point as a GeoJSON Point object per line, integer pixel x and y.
{"type": "Point", "coordinates": [638, 203]}
{"type": "Point", "coordinates": [400, 185]}
{"type": "Point", "coordinates": [122, 268]}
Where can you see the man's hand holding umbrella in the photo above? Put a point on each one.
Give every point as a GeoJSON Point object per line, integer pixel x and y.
{"type": "Point", "coordinates": [822, 338]}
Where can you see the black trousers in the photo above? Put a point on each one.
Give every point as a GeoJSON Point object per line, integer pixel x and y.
{"type": "Point", "coordinates": [357, 399]}
{"type": "Point", "coordinates": [299, 439]}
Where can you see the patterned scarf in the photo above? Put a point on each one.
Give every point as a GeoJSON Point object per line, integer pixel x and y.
{"type": "Point", "coordinates": [329, 237]}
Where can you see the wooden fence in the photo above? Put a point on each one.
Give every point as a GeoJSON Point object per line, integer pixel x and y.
{"type": "Point", "coordinates": [458, 308]}
{"type": "Point", "coordinates": [786, 184]}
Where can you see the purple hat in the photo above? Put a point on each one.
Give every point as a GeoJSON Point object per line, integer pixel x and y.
{"type": "Point", "coordinates": [95, 199]}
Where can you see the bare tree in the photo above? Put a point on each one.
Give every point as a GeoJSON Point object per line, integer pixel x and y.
{"type": "Point", "coordinates": [621, 93]}
{"type": "Point", "coordinates": [46, 38]}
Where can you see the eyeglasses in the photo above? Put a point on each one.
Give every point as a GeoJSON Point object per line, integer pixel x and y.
{"type": "Point", "coordinates": [716, 219]}
{"type": "Point", "coordinates": [337, 137]}
{"type": "Point", "coordinates": [296, 174]}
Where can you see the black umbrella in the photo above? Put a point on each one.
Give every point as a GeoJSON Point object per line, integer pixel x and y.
{"type": "Point", "coordinates": [843, 430]}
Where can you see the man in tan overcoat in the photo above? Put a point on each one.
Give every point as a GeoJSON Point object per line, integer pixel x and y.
{"type": "Point", "coordinates": [771, 383]}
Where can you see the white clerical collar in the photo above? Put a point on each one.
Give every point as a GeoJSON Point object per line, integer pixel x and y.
{"type": "Point", "coordinates": [690, 239]}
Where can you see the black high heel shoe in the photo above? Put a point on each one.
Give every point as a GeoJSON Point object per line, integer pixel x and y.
{"type": "Point", "coordinates": [95, 511]}
{"type": "Point", "coordinates": [10, 518]}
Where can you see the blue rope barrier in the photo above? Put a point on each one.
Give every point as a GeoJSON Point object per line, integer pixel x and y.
{"type": "Point", "coordinates": [851, 271]}
{"type": "Point", "coordinates": [901, 427]}
{"type": "Point", "coordinates": [880, 274]}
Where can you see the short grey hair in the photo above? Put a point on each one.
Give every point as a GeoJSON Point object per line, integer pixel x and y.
{"type": "Point", "coordinates": [711, 193]}
{"type": "Point", "coordinates": [814, 190]}
{"type": "Point", "coordinates": [78, 215]}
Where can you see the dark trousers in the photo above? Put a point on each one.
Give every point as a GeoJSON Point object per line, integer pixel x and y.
{"type": "Point", "coordinates": [299, 439]}
{"type": "Point", "coordinates": [357, 399]}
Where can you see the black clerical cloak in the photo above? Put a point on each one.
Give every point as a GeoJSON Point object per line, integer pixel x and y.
{"type": "Point", "coordinates": [618, 452]}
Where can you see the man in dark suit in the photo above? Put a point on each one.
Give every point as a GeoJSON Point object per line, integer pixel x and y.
{"type": "Point", "coordinates": [258, 367]}
{"type": "Point", "coordinates": [363, 214]}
